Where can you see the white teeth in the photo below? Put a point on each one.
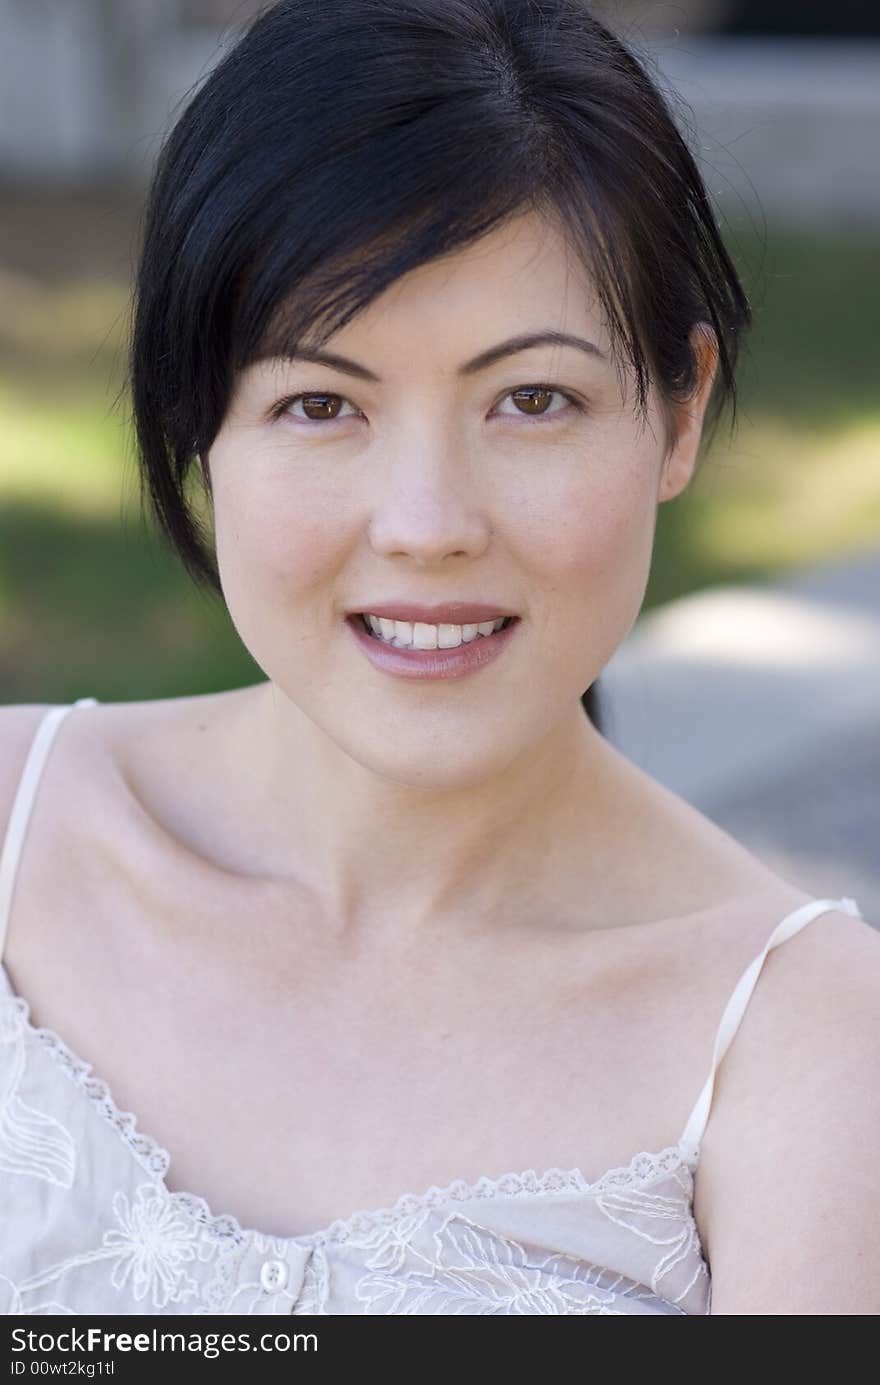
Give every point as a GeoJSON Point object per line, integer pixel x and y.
{"type": "Point", "coordinates": [406, 634]}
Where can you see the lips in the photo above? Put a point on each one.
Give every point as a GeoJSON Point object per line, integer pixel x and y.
{"type": "Point", "coordinates": [409, 662]}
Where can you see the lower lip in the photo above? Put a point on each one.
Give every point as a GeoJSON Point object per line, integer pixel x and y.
{"type": "Point", "coordinates": [431, 663]}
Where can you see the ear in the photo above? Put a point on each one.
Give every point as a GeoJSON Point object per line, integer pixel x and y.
{"type": "Point", "coordinates": [678, 465]}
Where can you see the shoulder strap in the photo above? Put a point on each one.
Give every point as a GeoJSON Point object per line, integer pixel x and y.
{"type": "Point", "coordinates": [736, 1005]}
{"type": "Point", "coordinates": [24, 802]}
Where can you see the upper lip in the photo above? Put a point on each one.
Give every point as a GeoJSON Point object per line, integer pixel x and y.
{"type": "Point", "coordinates": [453, 613]}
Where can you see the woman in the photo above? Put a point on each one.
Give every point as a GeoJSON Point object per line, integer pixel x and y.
{"type": "Point", "coordinates": [431, 295]}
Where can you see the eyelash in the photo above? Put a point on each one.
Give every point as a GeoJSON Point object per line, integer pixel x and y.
{"type": "Point", "coordinates": [279, 409]}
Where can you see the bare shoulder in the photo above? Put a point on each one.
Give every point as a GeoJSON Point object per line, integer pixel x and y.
{"type": "Point", "coordinates": [18, 726]}
{"type": "Point", "coordinates": [94, 733]}
{"type": "Point", "coordinates": [788, 1173]}
{"type": "Point", "coordinates": [154, 726]}
{"type": "Point", "coordinates": [87, 808]}
{"type": "Point", "coordinates": [117, 770]}
{"type": "Point", "coordinates": [106, 733]}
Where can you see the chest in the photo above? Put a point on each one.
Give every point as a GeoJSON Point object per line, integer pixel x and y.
{"type": "Point", "coordinates": [292, 1087]}
{"type": "Point", "coordinates": [293, 1082]}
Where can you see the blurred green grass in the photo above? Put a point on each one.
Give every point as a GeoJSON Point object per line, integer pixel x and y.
{"type": "Point", "coordinates": [92, 603]}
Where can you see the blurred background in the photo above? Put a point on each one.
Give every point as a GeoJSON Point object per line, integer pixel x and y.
{"type": "Point", "coordinates": [750, 682]}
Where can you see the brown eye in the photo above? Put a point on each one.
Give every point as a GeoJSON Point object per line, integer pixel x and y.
{"type": "Point", "coordinates": [532, 401]}
{"type": "Point", "coordinates": [536, 397]}
{"type": "Point", "coordinates": [320, 406]}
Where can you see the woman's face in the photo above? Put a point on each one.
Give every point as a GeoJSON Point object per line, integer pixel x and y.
{"type": "Point", "coordinates": [435, 484]}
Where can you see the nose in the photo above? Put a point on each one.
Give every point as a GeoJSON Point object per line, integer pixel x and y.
{"type": "Point", "coordinates": [428, 507]}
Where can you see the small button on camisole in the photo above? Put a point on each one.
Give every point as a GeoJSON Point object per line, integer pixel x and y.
{"type": "Point", "coordinates": [88, 1225]}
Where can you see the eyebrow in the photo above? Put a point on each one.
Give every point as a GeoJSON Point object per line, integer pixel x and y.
{"type": "Point", "coordinates": [511, 347]}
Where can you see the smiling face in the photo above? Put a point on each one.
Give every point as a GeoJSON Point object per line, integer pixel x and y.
{"type": "Point", "coordinates": [430, 476]}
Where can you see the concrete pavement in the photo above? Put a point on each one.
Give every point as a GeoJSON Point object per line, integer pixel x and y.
{"type": "Point", "coordinates": [760, 704]}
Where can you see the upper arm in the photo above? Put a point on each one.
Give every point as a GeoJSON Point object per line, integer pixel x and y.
{"type": "Point", "coordinates": [788, 1185]}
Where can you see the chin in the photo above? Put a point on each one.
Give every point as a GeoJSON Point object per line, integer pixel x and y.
{"type": "Point", "coordinates": [427, 762]}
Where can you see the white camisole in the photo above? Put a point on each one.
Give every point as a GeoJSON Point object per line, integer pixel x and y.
{"type": "Point", "coordinates": [88, 1226]}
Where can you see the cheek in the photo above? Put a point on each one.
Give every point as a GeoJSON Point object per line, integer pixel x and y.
{"type": "Point", "coordinates": [593, 522]}
{"type": "Point", "coordinates": [275, 538]}
{"type": "Point", "coordinates": [587, 545]}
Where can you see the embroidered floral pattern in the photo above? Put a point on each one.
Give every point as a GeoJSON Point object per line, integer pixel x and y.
{"type": "Point", "coordinates": [657, 1219]}
{"type": "Point", "coordinates": [10, 1298]}
{"type": "Point", "coordinates": [33, 1144]}
{"type": "Point", "coordinates": [474, 1271]}
{"type": "Point", "coordinates": [154, 1244]}
{"type": "Point", "coordinates": [427, 1254]}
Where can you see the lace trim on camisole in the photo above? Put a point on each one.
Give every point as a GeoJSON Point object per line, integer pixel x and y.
{"type": "Point", "coordinates": [156, 1160]}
